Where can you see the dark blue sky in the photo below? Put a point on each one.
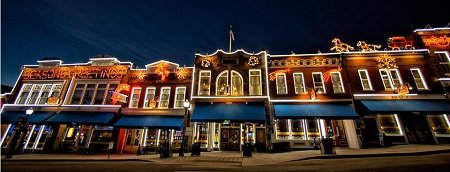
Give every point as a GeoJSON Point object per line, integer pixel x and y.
{"type": "Point", "coordinates": [146, 31]}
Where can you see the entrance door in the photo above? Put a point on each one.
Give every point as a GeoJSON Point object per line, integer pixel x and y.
{"type": "Point", "coordinates": [370, 131]}
{"type": "Point", "coordinates": [260, 139]}
{"type": "Point", "coordinates": [229, 139]}
{"type": "Point", "coordinates": [417, 129]}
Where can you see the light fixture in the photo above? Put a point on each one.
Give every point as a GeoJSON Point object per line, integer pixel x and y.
{"type": "Point", "coordinates": [186, 103]}
{"type": "Point", "coordinates": [29, 111]}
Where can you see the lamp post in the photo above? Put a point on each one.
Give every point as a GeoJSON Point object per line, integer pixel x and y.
{"type": "Point", "coordinates": [19, 134]}
{"type": "Point", "coordinates": [186, 105]}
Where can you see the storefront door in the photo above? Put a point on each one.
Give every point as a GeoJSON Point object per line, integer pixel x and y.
{"type": "Point", "coordinates": [230, 139]}
{"type": "Point", "coordinates": [417, 129]}
{"type": "Point", "coordinates": [260, 139]}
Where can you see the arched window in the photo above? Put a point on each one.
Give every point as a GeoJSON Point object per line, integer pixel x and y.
{"type": "Point", "coordinates": [223, 88]}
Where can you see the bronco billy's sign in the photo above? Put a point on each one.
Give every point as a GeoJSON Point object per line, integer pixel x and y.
{"type": "Point", "coordinates": [79, 72]}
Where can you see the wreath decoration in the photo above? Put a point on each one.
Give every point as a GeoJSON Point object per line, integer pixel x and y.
{"type": "Point", "coordinates": [253, 61]}
{"type": "Point", "coordinates": [206, 63]}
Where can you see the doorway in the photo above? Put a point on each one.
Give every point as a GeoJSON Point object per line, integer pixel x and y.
{"type": "Point", "coordinates": [416, 129]}
{"type": "Point", "coordinates": [229, 139]}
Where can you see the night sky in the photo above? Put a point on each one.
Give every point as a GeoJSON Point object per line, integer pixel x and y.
{"type": "Point", "coordinates": [146, 31]}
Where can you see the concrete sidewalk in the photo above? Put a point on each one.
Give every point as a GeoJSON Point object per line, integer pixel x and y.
{"type": "Point", "coordinates": [219, 158]}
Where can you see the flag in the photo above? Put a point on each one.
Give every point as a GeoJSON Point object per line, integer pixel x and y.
{"type": "Point", "coordinates": [231, 35]}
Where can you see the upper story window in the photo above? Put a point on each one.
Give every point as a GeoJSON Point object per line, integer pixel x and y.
{"type": "Point", "coordinates": [255, 82]}
{"type": "Point", "coordinates": [237, 84]}
{"type": "Point", "coordinates": [204, 82]}
{"type": "Point", "coordinates": [418, 79]}
{"type": "Point", "coordinates": [164, 98]}
{"type": "Point", "coordinates": [444, 61]}
{"type": "Point", "coordinates": [222, 84]}
{"type": "Point", "coordinates": [179, 97]}
{"type": "Point", "coordinates": [365, 80]}
{"type": "Point", "coordinates": [92, 92]}
{"type": "Point", "coordinates": [281, 83]}
{"type": "Point", "coordinates": [38, 93]}
{"type": "Point", "coordinates": [135, 96]}
{"type": "Point", "coordinates": [149, 95]}
{"type": "Point", "coordinates": [318, 82]}
{"type": "Point", "coordinates": [336, 80]}
{"type": "Point", "coordinates": [391, 78]}
{"type": "Point", "coordinates": [299, 83]}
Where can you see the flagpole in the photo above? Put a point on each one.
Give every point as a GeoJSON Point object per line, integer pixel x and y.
{"type": "Point", "coordinates": [229, 47]}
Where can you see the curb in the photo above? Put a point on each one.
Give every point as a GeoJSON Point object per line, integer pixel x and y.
{"type": "Point", "coordinates": [334, 156]}
{"type": "Point", "coordinates": [68, 160]}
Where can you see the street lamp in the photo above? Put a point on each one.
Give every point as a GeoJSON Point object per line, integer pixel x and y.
{"type": "Point", "coordinates": [186, 105]}
{"type": "Point", "coordinates": [19, 134]}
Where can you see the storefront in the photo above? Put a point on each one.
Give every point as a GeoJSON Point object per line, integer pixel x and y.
{"type": "Point", "coordinates": [408, 121]}
{"type": "Point", "coordinates": [227, 127]}
{"type": "Point", "coordinates": [303, 125]}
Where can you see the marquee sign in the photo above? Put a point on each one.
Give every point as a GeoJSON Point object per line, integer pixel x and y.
{"type": "Point", "coordinates": [436, 41]}
{"type": "Point", "coordinates": [79, 72]}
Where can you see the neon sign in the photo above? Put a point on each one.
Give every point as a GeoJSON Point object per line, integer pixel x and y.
{"type": "Point", "coordinates": [80, 72]}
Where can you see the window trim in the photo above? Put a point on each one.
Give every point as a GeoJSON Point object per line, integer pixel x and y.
{"type": "Point", "coordinates": [217, 80]}
{"type": "Point", "coordinates": [86, 82]}
{"type": "Point", "coordinates": [323, 83]}
{"type": "Point", "coordinates": [250, 89]}
{"type": "Point", "coordinates": [21, 91]}
{"type": "Point", "coordinates": [168, 97]}
{"type": "Point", "coordinates": [146, 101]}
{"type": "Point", "coordinates": [200, 79]}
{"type": "Point", "coordinates": [398, 75]}
{"type": "Point", "coordinates": [131, 97]}
{"type": "Point", "coordinates": [421, 78]}
{"type": "Point", "coordinates": [175, 97]}
{"type": "Point", "coordinates": [285, 85]}
{"type": "Point", "coordinates": [368, 79]}
{"type": "Point", "coordinates": [303, 82]}
{"type": "Point", "coordinates": [340, 80]}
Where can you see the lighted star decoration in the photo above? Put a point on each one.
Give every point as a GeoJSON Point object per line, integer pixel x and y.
{"type": "Point", "coordinates": [273, 75]}
{"type": "Point", "coordinates": [387, 62]}
{"type": "Point", "coordinates": [140, 76]}
{"type": "Point", "coordinates": [327, 74]}
{"type": "Point", "coordinates": [363, 46]}
{"type": "Point", "coordinates": [253, 61]}
{"type": "Point", "coordinates": [339, 46]}
{"type": "Point", "coordinates": [162, 70]}
{"type": "Point", "coordinates": [182, 73]}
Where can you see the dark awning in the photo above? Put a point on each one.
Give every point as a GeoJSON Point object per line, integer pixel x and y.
{"type": "Point", "coordinates": [36, 117]}
{"type": "Point", "coordinates": [232, 112]}
{"type": "Point", "coordinates": [395, 106]}
{"type": "Point", "coordinates": [150, 121]}
{"type": "Point", "coordinates": [82, 117]}
{"type": "Point", "coordinates": [331, 111]}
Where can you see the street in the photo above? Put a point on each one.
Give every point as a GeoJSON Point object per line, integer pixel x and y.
{"type": "Point", "coordinates": [436, 162]}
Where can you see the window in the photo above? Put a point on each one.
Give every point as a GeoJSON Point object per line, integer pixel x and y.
{"type": "Point", "coordinates": [440, 125]}
{"type": "Point", "coordinates": [164, 98]}
{"type": "Point", "coordinates": [135, 95]}
{"type": "Point", "coordinates": [389, 124]}
{"type": "Point", "coordinates": [237, 84]}
{"type": "Point", "coordinates": [299, 83]}
{"type": "Point", "coordinates": [444, 61]}
{"type": "Point", "coordinates": [180, 96]}
{"type": "Point", "coordinates": [222, 84]}
{"type": "Point", "coordinates": [336, 80]}
{"type": "Point", "coordinates": [365, 80]}
{"type": "Point", "coordinates": [298, 129]}
{"type": "Point", "coordinates": [149, 95]}
{"type": "Point", "coordinates": [91, 92]}
{"type": "Point", "coordinates": [418, 78]}
{"type": "Point", "coordinates": [255, 82]}
{"type": "Point", "coordinates": [38, 93]}
{"type": "Point", "coordinates": [281, 83]}
{"type": "Point", "coordinates": [391, 78]}
{"type": "Point", "coordinates": [283, 129]}
{"type": "Point", "coordinates": [318, 82]}
{"type": "Point", "coordinates": [204, 83]}
{"type": "Point", "coordinates": [312, 126]}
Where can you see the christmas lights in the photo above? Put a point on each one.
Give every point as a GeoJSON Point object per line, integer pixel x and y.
{"type": "Point", "coordinates": [253, 61]}
{"type": "Point", "coordinates": [182, 73]}
{"type": "Point", "coordinates": [386, 62]}
{"type": "Point", "coordinates": [363, 46]}
{"type": "Point", "coordinates": [340, 47]}
{"type": "Point", "coordinates": [327, 74]}
{"type": "Point", "coordinates": [273, 75]}
{"type": "Point", "coordinates": [399, 43]}
{"type": "Point", "coordinates": [162, 71]}
{"type": "Point", "coordinates": [206, 63]}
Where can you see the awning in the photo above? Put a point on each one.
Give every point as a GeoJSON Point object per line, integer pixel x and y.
{"type": "Point", "coordinates": [36, 117]}
{"type": "Point", "coordinates": [231, 112]}
{"type": "Point", "coordinates": [325, 111]}
{"type": "Point", "coordinates": [82, 117]}
{"type": "Point", "coordinates": [150, 121]}
{"type": "Point", "coordinates": [396, 106]}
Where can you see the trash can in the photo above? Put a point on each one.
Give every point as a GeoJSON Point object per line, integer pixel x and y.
{"type": "Point", "coordinates": [247, 151]}
{"type": "Point", "coordinates": [164, 150]}
{"type": "Point", "coordinates": [327, 146]}
{"type": "Point", "coordinates": [196, 149]}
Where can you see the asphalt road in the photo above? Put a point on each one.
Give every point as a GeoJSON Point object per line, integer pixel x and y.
{"type": "Point", "coordinates": [437, 162]}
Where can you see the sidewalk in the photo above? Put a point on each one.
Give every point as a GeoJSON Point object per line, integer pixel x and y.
{"type": "Point", "coordinates": [219, 158]}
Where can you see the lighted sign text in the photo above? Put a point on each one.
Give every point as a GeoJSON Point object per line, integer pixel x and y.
{"type": "Point", "coordinates": [80, 72]}
{"type": "Point", "coordinates": [440, 42]}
